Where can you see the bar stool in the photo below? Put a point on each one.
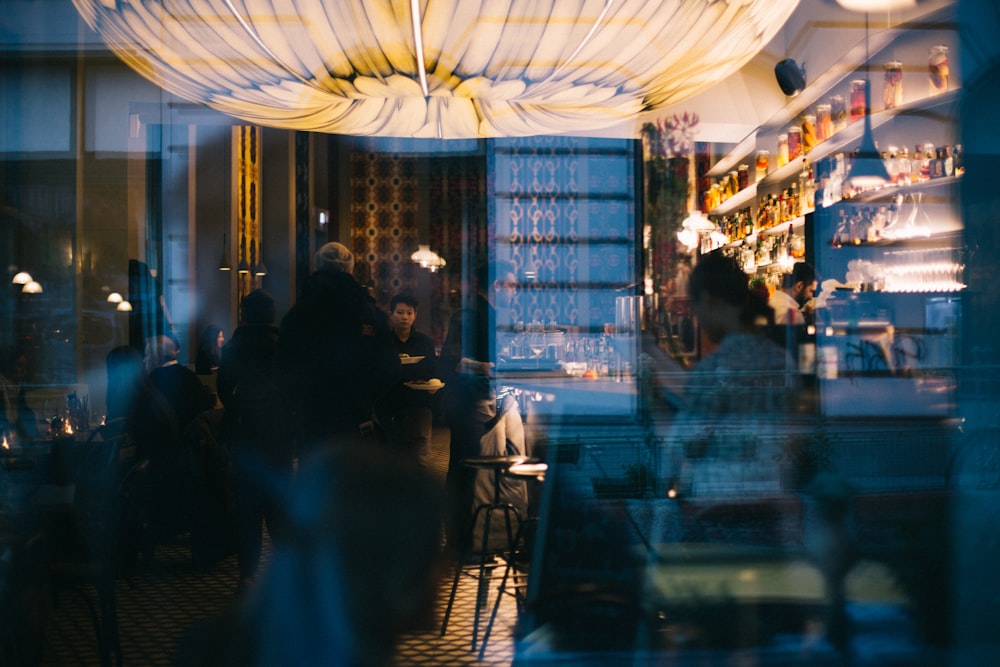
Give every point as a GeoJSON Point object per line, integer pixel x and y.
{"type": "Point", "coordinates": [518, 558]}
{"type": "Point", "coordinates": [497, 465]}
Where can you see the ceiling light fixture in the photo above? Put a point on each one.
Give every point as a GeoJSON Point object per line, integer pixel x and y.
{"type": "Point", "coordinates": [436, 68]}
{"type": "Point", "coordinates": [868, 170]}
{"type": "Point", "coordinates": [21, 278]}
{"type": "Point", "coordinates": [427, 258]}
{"type": "Point", "coordinates": [876, 5]}
{"type": "Point", "coordinates": [115, 297]}
{"type": "Point", "coordinates": [32, 287]}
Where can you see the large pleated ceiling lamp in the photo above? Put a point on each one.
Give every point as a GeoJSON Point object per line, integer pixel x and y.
{"type": "Point", "coordinates": [435, 68]}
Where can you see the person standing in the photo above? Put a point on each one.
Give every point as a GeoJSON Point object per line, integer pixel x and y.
{"type": "Point", "coordinates": [335, 354]}
{"type": "Point", "coordinates": [196, 490]}
{"type": "Point", "coordinates": [209, 352]}
{"type": "Point", "coordinates": [257, 429]}
{"type": "Point", "coordinates": [179, 384]}
{"type": "Point", "coordinates": [409, 411]}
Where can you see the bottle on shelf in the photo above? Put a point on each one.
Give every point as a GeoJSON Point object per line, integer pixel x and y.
{"type": "Point", "coordinates": [794, 143]}
{"type": "Point", "coordinates": [761, 164]}
{"type": "Point", "coordinates": [858, 106]}
{"type": "Point", "coordinates": [892, 93]}
{"type": "Point", "coordinates": [938, 69]}
{"type": "Point", "coordinates": [838, 111]}
{"type": "Point", "coordinates": [903, 168]}
{"type": "Point", "coordinates": [809, 135]}
{"type": "Point", "coordinates": [824, 122]}
{"type": "Point", "coordinates": [807, 189]}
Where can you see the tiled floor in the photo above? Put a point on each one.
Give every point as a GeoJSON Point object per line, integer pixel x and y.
{"type": "Point", "coordinates": [159, 604]}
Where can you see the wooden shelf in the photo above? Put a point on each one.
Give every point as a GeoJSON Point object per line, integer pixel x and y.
{"type": "Point", "coordinates": [741, 199]}
{"type": "Point", "coordinates": [890, 191]}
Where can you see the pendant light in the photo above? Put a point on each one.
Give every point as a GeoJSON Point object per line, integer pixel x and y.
{"type": "Point", "coordinates": [868, 170]}
{"type": "Point", "coordinates": [427, 258]}
{"type": "Point", "coordinates": [448, 69]}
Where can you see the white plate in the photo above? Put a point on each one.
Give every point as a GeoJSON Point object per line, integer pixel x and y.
{"type": "Point", "coordinates": [410, 360]}
{"type": "Point", "coordinates": [427, 385]}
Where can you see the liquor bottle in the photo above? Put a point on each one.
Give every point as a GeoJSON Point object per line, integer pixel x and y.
{"type": "Point", "coordinates": [916, 163]}
{"type": "Point", "coordinates": [903, 167]}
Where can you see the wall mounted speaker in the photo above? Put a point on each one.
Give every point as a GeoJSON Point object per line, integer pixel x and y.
{"type": "Point", "coordinates": [791, 78]}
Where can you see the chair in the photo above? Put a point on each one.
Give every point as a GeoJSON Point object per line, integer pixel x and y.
{"type": "Point", "coordinates": [476, 565]}
{"type": "Point", "coordinates": [86, 551]}
{"type": "Point", "coordinates": [518, 558]}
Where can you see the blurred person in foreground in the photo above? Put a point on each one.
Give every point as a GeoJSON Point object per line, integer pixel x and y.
{"type": "Point", "coordinates": [408, 410]}
{"type": "Point", "coordinates": [335, 356]}
{"type": "Point", "coordinates": [258, 429]}
{"type": "Point", "coordinates": [736, 399]}
{"type": "Point", "coordinates": [359, 567]}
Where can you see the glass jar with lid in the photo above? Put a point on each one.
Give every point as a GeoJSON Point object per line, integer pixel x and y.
{"type": "Point", "coordinates": [892, 91]}
{"type": "Point", "coordinates": [761, 164]}
{"type": "Point", "coordinates": [782, 150]}
{"type": "Point", "coordinates": [858, 104]}
{"type": "Point", "coordinates": [938, 69]}
{"type": "Point", "coordinates": [838, 111]}
{"type": "Point", "coordinates": [794, 142]}
{"type": "Point", "coordinates": [824, 122]}
{"type": "Point", "coordinates": [809, 137]}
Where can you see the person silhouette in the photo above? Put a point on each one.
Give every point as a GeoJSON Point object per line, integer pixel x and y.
{"type": "Point", "coordinates": [360, 565]}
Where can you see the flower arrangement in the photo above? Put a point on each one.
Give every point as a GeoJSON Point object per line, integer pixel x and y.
{"type": "Point", "coordinates": [668, 137]}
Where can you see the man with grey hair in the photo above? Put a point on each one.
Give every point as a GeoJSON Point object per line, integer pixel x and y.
{"type": "Point", "coordinates": [335, 354]}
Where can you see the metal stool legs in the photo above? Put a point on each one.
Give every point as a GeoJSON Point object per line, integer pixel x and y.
{"type": "Point", "coordinates": [516, 566]}
{"type": "Point", "coordinates": [486, 511]}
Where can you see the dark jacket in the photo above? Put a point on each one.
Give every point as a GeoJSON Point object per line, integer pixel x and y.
{"type": "Point", "coordinates": [184, 392]}
{"type": "Point", "coordinates": [401, 396]}
{"type": "Point", "coordinates": [257, 414]}
{"type": "Point", "coordinates": [335, 357]}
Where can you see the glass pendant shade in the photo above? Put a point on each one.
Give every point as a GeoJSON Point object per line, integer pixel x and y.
{"type": "Point", "coordinates": [435, 68]}
{"type": "Point", "coordinates": [427, 258]}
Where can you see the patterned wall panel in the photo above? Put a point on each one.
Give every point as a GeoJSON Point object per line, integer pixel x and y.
{"type": "Point", "coordinates": [457, 224]}
{"type": "Point", "coordinates": [383, 210]}
{"type": "Point", "coordinates": [564, 213]}
{"type": "Point", "coordinates": [246, 145]}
